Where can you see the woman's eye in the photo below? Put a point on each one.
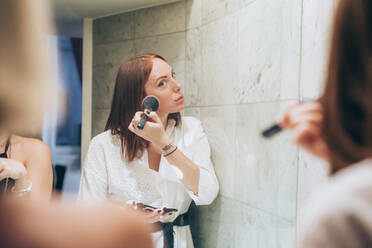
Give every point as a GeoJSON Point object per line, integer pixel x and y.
{"type": "Point", "coordinates": [161, 83]}
{"type": "Point", "coordinates": [173, 75]}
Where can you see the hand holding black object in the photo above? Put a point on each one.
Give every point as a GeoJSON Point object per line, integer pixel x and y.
{"type": "Point", "coordinates": [149, 104]}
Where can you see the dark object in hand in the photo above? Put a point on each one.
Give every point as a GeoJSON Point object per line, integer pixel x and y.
{"type": "Point", "coordinates": [151, 208]}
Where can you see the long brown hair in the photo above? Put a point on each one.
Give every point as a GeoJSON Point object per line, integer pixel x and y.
{"type": "Point", "coordinates": [128, 95]}
{"type": "Point", "coordinates": [347, 98]}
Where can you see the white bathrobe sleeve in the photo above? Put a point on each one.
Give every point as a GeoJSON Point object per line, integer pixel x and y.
{"type": "Point", "coordinates": [93, 184]}
{"type": "Point", "coordinates": [201, 156]}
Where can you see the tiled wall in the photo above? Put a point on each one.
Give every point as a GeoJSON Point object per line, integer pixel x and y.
{"type": "Point", "coordinates": [240, 62]}
{"type": "Point", "coordinates": [316, 30]}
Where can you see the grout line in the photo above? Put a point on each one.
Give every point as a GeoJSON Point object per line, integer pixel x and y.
{"type": "Point", "coordinates": [164, 4]}
{"type": "Point", "coordinates": [149, 6]}
{"type": "Point", "coordinates": [164, 34]}
{"type": "Point", "coordinates": [256, 208]}
{"type": "Point", "coordinates": [243, 104]}
{"type": "Point", "coordinates": [301, 48]}
{"type": "Point", "coordinates": [135, 39]}
{"type": "Point", "coordinates": [159, 35]}
{"type": "Point", "coordinates": [235, 144]}
{"type": "Point", "coordinates": [219, 18]}
{"type": "Point", "coordinates": [299, 96]}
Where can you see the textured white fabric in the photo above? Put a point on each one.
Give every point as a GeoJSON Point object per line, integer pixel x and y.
{"type": "Point", "coordinates": [106, 175]}
{"type": "Point", "coordinates": [340, 215]}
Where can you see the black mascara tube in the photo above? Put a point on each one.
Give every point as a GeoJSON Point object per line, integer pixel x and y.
{"type": "Point", "coordinates": [271, 131]}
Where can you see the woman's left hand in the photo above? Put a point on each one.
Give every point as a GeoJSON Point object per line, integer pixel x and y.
{"type": "Point", "coordinates": [153, 131]}
{"type": "Point", "coordinates": [10, 168]}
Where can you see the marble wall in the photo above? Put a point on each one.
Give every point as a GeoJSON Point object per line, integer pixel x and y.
{"type": "Point", "coordinates": [316, 32]}
{"type": "Point", "coordinates": [240, 62]}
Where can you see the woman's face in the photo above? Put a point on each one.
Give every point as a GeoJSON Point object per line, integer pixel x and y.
{"type": "Point", "coordinates": [165, 87]}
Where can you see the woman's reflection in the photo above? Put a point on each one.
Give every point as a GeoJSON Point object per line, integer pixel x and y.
{"type": "Point", "coordinates": [167, 164]}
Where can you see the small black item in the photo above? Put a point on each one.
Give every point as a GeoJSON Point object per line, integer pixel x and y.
{"type": "Point", "coordinates": [269, 132]}
{"type": "Point", "coordinates": [60, 171]}
{"type": "Point", "coordinates": [168, 231]}
{"type": "Point", "coordinates": [7, 183]}
{"type": "Point", "coordinates": [149, 104]}
{"type": "Point", "coordinates": [166, 210]}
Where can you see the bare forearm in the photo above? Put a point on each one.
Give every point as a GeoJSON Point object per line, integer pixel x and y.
{"type": "Point", "coordinates": [36, 186]}
{"type": "Point", "coordinates": [190, 171]}
{"type": "Point", "coordinates": [22, 183]}
{"type": "Point", "coordinates": [42, 183]}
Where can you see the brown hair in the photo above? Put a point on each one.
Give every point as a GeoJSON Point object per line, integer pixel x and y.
{"type": "Point", "coordinates": [128, 95]}
{"type": "Point", "coordinates": [347, 98]}
{"type": "Point", "coordinates": [25, 71]}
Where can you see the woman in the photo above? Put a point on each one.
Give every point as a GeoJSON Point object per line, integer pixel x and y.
{"type": "Point", "coordinates": [165, 164]}
{"type": "Point", "coordinates": [339, 130]}
{"type": "Point", "coordinates": [25, 164]}
{"type": "Point", "coordinates": [31, 222]}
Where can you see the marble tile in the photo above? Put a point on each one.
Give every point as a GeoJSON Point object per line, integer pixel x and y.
{"type": "Point", "coordinates": [99, 119]}
{"type": "Point", "coordinates": [179, 69]}
{"type": "Point", "coordinates": [230, 223]}
{"type": "Point", "coordinates": [193, 13]}
{"type": "Point", "coordinates": [193, 111]}
{"type": "Point", "coordinates": [313, 174]}
{"type": "Point", "coordinates": [170, 46]}
{"type": "Point", "coordinates": [163, 19]}
{"type": "Point", "coordinates": [215, 225]}
{"type": "Point", "coordinates": [114, 53]}
{"type": "Point", "coordinates": [269, 51]}
{"type": "Point", "coordinates": [193, 67]}
{"type": "Point", "coordinates": [107, 59]}
{"type": "Point", "coordinates": [291, 49]}
{"type": "Point", "coordinates": [316, 28]}
{"type": "Point", "coordinates": [258, 229]}
{"type": "Point", "coordinates": [220, 126]}
{"type": "Point", "coordinates": [244, 3]}
{"type": "Point", "coordinates": [216, 9]}
{"type": "Point", "coordinates": [219, 65]}
{"type": "Point", "coordinates": [113, 28]}
{"type": "Point", "coordinates": [266, 169]}
{"type": "Point", "coordinates": [103, 85]}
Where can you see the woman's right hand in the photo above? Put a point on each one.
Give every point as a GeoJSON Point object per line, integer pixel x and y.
{"type": "Point", "coordinates": [305, 120]}
{"type": "Point", "coordinates": [151, 215]}
{"type": "Point", "coordinates": [10, 168]}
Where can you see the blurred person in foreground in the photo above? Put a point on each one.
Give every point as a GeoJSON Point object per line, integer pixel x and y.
{"type": "Point", "coordinates": [24, 83]}
{"type": "Point", "coordinates": [25, 163]}
{"type": "Point", "coordinates": [338, 129]}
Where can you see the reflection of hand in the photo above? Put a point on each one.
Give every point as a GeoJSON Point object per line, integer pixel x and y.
{"type": "Point", "coordinates": [153, 131]}
{"type": "Point", "coordinates": [10, 168]}
{"type": "Point", "coordinates": [151, 215]}
{"type": "Point", "coordinates": [305, 121]}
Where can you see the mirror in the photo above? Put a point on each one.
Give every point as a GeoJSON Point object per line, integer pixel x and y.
{"type": "Point", "coordinates": [239, 63]}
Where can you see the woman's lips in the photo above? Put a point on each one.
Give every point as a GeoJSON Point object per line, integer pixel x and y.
{"type": "Point", "coordinates": [179, 99]}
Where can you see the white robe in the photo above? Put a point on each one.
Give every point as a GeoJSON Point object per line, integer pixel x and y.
{"type": "Point", "coordinates": [106, 175]}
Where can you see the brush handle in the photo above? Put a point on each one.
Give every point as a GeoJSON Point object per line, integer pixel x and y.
{"type": "Point", "coordinates": [271, 131]}
{"type": "Point", "coordinates": [142, 122]}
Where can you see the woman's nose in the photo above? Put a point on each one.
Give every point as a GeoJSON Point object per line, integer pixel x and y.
{"type": "Point", "coordinates": [177, 86]}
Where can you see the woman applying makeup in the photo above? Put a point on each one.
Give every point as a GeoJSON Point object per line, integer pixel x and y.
{"type": "Point", "coordinates": [338, 129]}
{"type": "Point", "coordinates": [165, 164]}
